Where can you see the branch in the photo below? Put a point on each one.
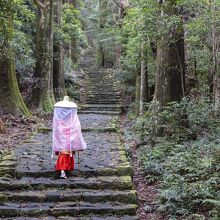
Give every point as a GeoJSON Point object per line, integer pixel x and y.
{"type": "Point", "coordinates": [40, 4]}
{"type": "Point", "coordinates": [119, 5]}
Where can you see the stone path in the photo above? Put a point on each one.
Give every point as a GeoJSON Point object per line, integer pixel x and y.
{"type": "Point", "coordinates": [100, 187]}
{"type": "Point", "coordinates": [102, 93]}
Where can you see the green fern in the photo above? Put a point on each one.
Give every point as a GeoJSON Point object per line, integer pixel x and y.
{"type": "Point", "coordinates": [212, 202]}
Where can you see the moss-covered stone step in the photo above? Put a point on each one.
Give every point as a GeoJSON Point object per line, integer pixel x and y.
{"type": "Point", "coordinates": [66, 208]}
{"type": "Point", "coordinates": [105, 91]}
{"type": "Point", "coordinates": [122, 170]}
{"type": "Point", "coordinates": [96, 107]}
{"type": "Point", "coordinates": [100, 112]}
{"type": "Point", "coordinates": [113, 93]}
{"type": "Point", "coordinates": [7, 164]}
{"type": "Point", "coordinates": [77, 195]}
{"type": "Point", "coordinates": [101, 97]}
{"type": "Point", "coordinates": [87, 129]}
{"type": "Point", "coordinates": [125, 217]}
{"type": "Point", "coordinates": [7, 171]}
{"type": "Point", "coordinates": [96, 183]}
{"type": "Point", "coordinates": [102, 101]}
{"type": "Point", "coordinates": [106, 129]}
{"type": "Point", "coordinates": [109, 96]}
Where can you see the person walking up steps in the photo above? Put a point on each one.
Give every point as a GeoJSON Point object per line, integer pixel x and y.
{"type": "Point", "coordinates": [67, 135]}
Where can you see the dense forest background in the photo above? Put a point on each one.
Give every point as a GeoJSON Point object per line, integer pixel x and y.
{"type": "Point", "coordinates": [166, 55]}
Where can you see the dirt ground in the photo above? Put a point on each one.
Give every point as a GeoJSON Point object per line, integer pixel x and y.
{"type": "Point", "coordinates": [14, 130]}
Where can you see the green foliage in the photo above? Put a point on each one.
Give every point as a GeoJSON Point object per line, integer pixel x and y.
{"type": "Point", "coordinates": [187, 169]}
{"type": "Point", "coordinates": [179, 121]}
{"type": "Point", "coordinates": [71, 25]}
{"type": "Point", "coordinates": [138, 28]}
{"type": "Point", "coordinates": [6, 28]}
{"type": "Point", "coordinates": [23, 41]}
{"type": "Point", "coordinates": [70, 31]}
{"type": "Point", "coordinates": [143, 23]}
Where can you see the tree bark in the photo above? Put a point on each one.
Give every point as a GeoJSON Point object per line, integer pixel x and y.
{"type": "Point", "coordinates": [137, 92]}
{"type": "Point", "coordinates": [144, 79]}
{"type": "Point", "coordinates": [68, 45]}
{"type": "Point", "coordinates": [58, 57]}
{"type": "Point", "coordinates": [170, 76]}
{"type": "Point", "coordinates": [215, 57]}
{"type": "Point", "coordinates": [74, 51]}
{"type": "Point", "coordinates": [11, 100]}
{"type": "Point", "coordinates": [101, 53]}
{"type": "Point", "coordinates": [43, 96]}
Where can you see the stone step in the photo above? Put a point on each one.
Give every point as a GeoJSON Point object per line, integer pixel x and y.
{"type": "Point", "coordinates": [104, 99]}
{"type": "Point", "coordinates": [66, 208]}
{"type": "Point", "coordinates": [100, 71]}
{"type": "Point", "coordinates": [102, 81]}
{"type": "Point", "coordinates": [101, 98]}
{"type": "Point", "coordinates": [123, 170]}
{"type": "Point", "coordinates": [84, 129]}
{"type": "Point", "coordinates": [107, 94]}
{"type": "Point", "coordinates": [101, 102]}
{"type": "Point", "coordinates": [111, 99]}
{"type": "Point", "coordinates": [102, 88]}
{"type": "Point", "coordinates": [97, 107]}
{"type": "Point", "coordinates": [101, 92]}
{"type": "Point", "coordinates": [100, 112]}
{"type": "Point", "coordinates": [95, 183]}
{"type": "Point", "coordinates": [114, 97]}
{"type": "Point", "coordinates": [91, 102]}
{"type": "Point", "coordinates": [77, 195]}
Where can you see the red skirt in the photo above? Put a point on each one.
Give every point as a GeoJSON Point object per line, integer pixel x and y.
{"type": "Point", "coordinates": [65, 162]}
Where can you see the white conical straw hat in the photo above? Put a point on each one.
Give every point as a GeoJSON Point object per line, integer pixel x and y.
{"type": "Point", "coordinates": [66, 103]}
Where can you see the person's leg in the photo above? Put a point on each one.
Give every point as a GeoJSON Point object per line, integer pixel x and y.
{"type": "Point", "coordinates": [64, 163]}
{"type": "Point", "coordinates": [63, 174]}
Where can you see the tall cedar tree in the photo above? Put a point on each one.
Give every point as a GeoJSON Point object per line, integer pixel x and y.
{"type": "Point", "coordinates": [58, 58]}
{"type": "Point", "coordinates": [43, 97]}
{"type": "Point", "coordinates": [101, 54]}
{"type": "Point", "coordinates": [10, 97]}
{"type": "Point", "coordinates": [170, 76]}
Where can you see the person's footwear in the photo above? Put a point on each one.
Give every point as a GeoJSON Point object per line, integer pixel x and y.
{"type": "Point", "coordinates": [63, 175]}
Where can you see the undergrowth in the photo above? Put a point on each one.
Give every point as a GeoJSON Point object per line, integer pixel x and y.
{"type": "Point", "coordinates": [179, 148]}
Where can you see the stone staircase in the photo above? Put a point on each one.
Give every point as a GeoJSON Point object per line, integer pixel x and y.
{"type": "Point", "coordinates": [102, 91]}
{"type": "Point", "coordinates": [100, 188]}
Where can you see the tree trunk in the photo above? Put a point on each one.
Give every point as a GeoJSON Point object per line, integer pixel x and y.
{"type": "Point", "coordinates": [170, 76]}
{"type": "Point", "coordinates": [10, 97]}
{"type": "Point", "coordinates": [74, 56]}
{"type": "Point", "coordinates": [58, 57]}
{"type": "Point", "coordinates": [43, 97]}
{"type": "Point", "coordinates": [74, 51]}
{"type": "Point", "coordinates": [215, 57]}
{"type": "Point", "coordinates": [144, 79]}
{"type": "Point", "coordinates": [101, 54]}
{"type": "Point", "coordinates": [67, 46]}
{"type": "Point", "coordinates": [137, 92]}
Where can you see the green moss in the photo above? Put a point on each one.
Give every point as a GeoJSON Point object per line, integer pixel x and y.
{"type": "Point", "coordinates": [10, 96]}
{"type": "Point", "coordinates": [47, 102]}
